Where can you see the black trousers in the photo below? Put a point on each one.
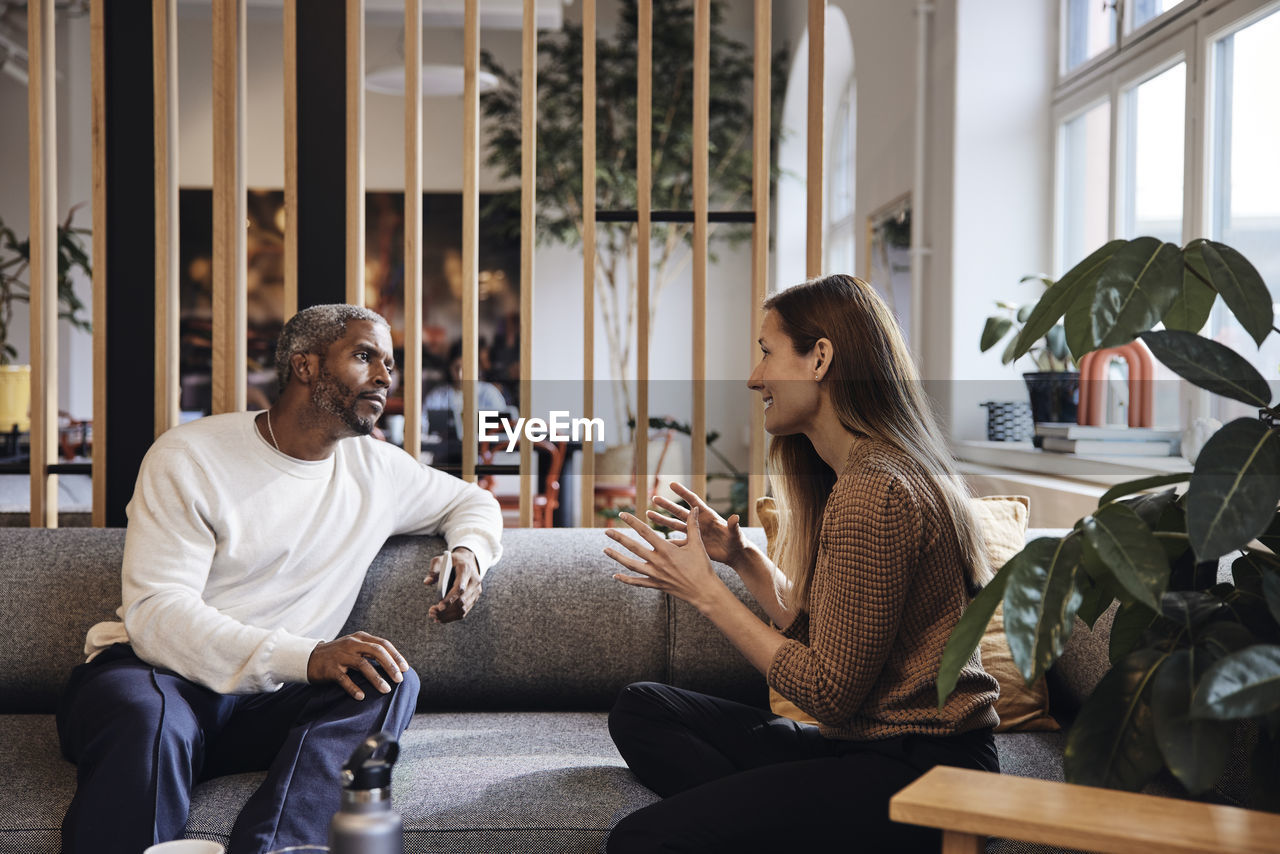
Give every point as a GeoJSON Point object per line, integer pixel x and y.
{"type": "Point", "coordinates": [142, 737]}
{"type": "Point", "coordinates": [738, 778]}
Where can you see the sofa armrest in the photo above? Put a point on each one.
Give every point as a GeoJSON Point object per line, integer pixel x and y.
{"type": "Point", "coordinates": [968, 805]}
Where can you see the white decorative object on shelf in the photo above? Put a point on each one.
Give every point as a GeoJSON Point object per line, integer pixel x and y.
{"type": "Point", "coordinates": [1194, 437]}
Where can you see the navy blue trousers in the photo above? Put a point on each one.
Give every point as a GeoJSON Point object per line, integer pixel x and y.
{"type": "Point", "coordinates": [737, 778]}
{"type": "Point", "coordinates": [142, 737]}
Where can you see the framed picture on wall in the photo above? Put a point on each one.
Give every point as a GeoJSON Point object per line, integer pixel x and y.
{"type": "Point", "coordinates": [888, 257]}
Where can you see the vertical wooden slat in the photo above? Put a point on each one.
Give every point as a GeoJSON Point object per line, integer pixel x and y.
{"type": "Point", "coordinates": [290, 307]}
{"type": "Point", "coordinates": [470, 232]}
{"type": "Point", "coordinates": [43, 154]}
{"type": "Point", "coordinates": [164, 53]}
{"type": "Point", "coordinates": [98, 75]}
{"type": "Point", "coordinates": [528, 229]}
{"type": "Point", "coordinates": [644, 169]}
{"type": "Point", "coordinates": [814, 179]}
{"type": "Point", "coordinates": [355, 152]}
{"type": "Point", "coordinates": [413, 227]}
{"type": "Point", "coordinates": [760, 132]}
{"type": "Point", "coordinates": [587, 516]}
{"type": "Point", "coordinates": [701, 107]}
{"type": "Point", "coordinates": [229, 213]}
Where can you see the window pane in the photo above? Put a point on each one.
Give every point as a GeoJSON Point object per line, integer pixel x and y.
{"type": "Point", "coordinates": [1245, 181]}
{"type": "Point", "coordinates": [1151, 158]}
{"type": "Point", "coordinates": [1091, 29]}
{"type": "Point", "coordinates": [1145, 10]}
{"type": "Point", "coordinates": [1084, 145]}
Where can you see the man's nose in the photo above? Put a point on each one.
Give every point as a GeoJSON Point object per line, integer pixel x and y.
{"type": "Point", "coordinates": [383, 377]}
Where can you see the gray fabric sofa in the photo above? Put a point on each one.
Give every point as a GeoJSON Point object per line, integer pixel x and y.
{"type": "Point", "coordinates": [509, 751]}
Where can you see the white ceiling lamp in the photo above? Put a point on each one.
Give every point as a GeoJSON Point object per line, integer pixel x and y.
{"type": "Point", "coordinates": [437, 80]}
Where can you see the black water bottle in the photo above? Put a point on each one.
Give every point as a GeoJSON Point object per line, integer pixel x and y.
{"type": "Point", "coordinates": [365, 823]}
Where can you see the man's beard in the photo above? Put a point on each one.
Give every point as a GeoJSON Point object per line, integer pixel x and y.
{"type": "Point", "coordinates": [330, 395]}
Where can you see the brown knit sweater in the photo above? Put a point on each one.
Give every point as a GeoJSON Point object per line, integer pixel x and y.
{"type": "Point", "coordinates": [888, 588]}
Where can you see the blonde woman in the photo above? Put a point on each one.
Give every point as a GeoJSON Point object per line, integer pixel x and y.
{"type": "Point", "coordinates": [878, 558]}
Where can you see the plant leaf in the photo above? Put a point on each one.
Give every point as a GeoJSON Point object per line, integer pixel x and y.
{"type": "Point", "coordinates": [1234, 488]}
{"type": "Point", "coordinates": [1059, 297]}
{"type": "Point", "coordinates": [995, 329]}
{"type": "Point", "coordinates": [1123, 542]}
{"type": "Point", "coordinates": [1190, 311]}
{"type": "Point", "coordinates": [1271, 592]}
{"type": "Point", "coordinates": [1210, 365]}
{"type": "Point", "coordinates": [1151, 507]}
{"type": "Point", "coordinates": [1241, 288]}
{"type": "Point", "coordinates": [1225, 637]}
{"type": "Point", "coordinates": [973, 623]}
{"type": "Point", "coordinates": [1131, 622]}
{"type": "Point", "coordinates": [1248, 570]}
{"type": "Point", "coordinates": [1129, 296]}
{"type": "Point", "coordinates": [1244, 684]}
{"type": "Point", "coordinates": [1113, 742]}
{"type": "Point", "coordinates": [1040, 604]}
{"type": "Point", "coordinates": [1096, 597]}
{"type": "Point", "coordinates": [1132, 486]}
{"type": "Point", "coordinates": [1271, 537]}
{"type": "Point", "coordinates": [1194, 749]}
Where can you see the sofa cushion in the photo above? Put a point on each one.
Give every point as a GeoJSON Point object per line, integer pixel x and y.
{"type": "Point", "coordinates": [552, 630]}
{"type": "Point", "coordinates": [513, 781]}
{"type": "Point", "coordinates": [57, 583]}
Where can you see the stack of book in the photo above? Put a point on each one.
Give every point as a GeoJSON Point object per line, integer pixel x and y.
{"type": "Point", "coordinates": [1111, 440]}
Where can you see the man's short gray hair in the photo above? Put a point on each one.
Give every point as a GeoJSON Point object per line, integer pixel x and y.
{"type": "Point", "coordinates": [313, 330]}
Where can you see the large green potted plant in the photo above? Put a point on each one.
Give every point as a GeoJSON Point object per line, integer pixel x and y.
{"type": "Point", "coordinates": [1054, 386]}
{"type": "Point", "coordinates": [15, 258]}
{"type": "Point", "coordinates": [1195, 664]}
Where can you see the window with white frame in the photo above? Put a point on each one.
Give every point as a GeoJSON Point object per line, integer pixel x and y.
{"type": "Point", "coordinates": [1166, 126]}
{"type": "Point", "coordinates": [1243, 200]}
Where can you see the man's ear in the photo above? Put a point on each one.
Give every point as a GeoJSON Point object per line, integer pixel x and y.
{"type": "Point", "coordinates": [823, 352]}
{"type": "Point", "coordinates": [305, 367]}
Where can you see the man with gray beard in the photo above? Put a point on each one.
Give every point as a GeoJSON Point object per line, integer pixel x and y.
{"type": "Point", "coordinates": [249, 537]}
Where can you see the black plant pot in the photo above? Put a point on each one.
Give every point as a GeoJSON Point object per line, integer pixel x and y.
{"type": "Point", "coordinates": [1055, 396]}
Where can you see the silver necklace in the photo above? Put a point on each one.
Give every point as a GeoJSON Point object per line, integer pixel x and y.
{"type": "Point", "coordinates": [272, 432]}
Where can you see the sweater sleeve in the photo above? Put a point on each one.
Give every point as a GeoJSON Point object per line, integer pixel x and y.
{"type": "Point", "coordinates": [169, 550]}
{"type": "Point", "coordinates": [433, 502]}
{"type": "Point", "coordinates": [868, 555]}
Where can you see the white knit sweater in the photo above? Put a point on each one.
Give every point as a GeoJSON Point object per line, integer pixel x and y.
{"type": "Point", "coordinates": [239, 559]}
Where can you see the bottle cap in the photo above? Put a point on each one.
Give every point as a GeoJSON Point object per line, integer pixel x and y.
{"type": "Point", "coordinates": [364, 770]}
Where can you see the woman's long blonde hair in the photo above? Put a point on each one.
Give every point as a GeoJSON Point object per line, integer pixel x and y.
{"type": "Point", "coordinates": [876, 392]}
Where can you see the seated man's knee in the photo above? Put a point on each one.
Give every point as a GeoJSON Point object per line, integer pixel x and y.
{"type": "Point", "coordinates": [409, 687]}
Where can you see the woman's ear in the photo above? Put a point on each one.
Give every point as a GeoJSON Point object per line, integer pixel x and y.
{"type": "Point", "coordinates": [823, 352]}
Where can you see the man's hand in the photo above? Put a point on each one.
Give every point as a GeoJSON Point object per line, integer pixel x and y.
{"type": "Point", "coordinates": [465, 590]}
{"type": "Point", "coordinates": [330, 662]}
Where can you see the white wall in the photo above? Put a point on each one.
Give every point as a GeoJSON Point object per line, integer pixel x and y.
{"type": "Point", "coordinates": [1002, 205]}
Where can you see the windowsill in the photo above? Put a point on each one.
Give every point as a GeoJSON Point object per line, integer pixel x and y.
{"type": "Point", "coordinates": [1062, 487]}
{"type": "Point", "coordinates": [1104, 470]}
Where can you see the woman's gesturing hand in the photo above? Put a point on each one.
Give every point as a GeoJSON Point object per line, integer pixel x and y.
{"type": "Point", "coordinates": [682, 569]}
{"type": "Point", "coordinates": [723, 540]}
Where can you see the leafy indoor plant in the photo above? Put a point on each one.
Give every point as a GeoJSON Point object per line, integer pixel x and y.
{"type": "Point", "coordinates": [559, 151]}
{"type": "Point", "coordinates": [1054, 387]}
{"type": "Point", "coordinates": [15, 258]}
{"type": "Point", "coordinates": [1195, 662]}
